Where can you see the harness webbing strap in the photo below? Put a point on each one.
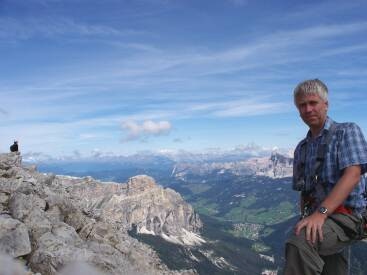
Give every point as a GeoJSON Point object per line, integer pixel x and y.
{"type": "Point", "coordinates": [323, 149]}
{"type": "Point", "coordinates": [320, 158]}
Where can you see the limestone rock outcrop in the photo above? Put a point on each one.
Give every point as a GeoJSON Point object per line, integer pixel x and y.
{"type": "Point", "coordinates": [277, 166]}
{"type": "Point", "coordinates": [52, 221]}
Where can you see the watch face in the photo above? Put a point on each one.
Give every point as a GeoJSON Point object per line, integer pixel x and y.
{"type": "Point", "coordinates": [323, 210]}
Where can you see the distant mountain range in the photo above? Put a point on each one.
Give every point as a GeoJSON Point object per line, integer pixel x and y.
{"type": "Point", "coordinates": [250, 160]}
{"type": "Point", "coordinates": [213, 154]}
{"type": "Point", "coordinates": [274, 166]}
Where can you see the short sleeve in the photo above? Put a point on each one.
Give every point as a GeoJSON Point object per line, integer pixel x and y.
{"type": "Point", "coordinates": [352, 147]}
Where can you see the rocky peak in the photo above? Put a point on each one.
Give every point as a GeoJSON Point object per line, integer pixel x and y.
{"type": "Point", "coordinates": [281, 159]}
{"type": "Point", "coordinates": [275, 166]}
{"type": "Point", "coordinates": [51, 220]}
{"type": "Point", "coordinates": [139, 184]}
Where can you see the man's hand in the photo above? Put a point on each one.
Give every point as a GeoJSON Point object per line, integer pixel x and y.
{"type": "Point", "coordinates": [345, 185]}
{"type": "Point", "coordinates": [313, 225]}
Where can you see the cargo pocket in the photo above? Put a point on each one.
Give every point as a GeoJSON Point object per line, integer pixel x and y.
{"type": "Point", "coordinates": [351, 225]}
{"type": "Point", "coordinates": [335, 239]}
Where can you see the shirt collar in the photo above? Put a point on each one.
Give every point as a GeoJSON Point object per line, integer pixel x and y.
{"type": "Point", "coordinates": [324, 130]}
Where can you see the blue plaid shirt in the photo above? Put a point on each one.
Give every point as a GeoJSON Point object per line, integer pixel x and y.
{"type": "Point", "coordinates": [347, 147]}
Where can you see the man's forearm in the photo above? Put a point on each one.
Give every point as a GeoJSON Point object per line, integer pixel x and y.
{"type": "Point", "coordinates": [342, 189]}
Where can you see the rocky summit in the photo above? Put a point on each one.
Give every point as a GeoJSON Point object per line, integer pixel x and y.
{"type": "Point", "coordinates": [49, 222]}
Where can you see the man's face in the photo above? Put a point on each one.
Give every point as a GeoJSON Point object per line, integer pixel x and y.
{"type": "Point", "coordinates": [313, 110]}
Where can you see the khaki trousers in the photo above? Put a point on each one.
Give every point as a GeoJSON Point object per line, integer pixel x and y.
{"type": "Point", "coordinates": [326, 257]}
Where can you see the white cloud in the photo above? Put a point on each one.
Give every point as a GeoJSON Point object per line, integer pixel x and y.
{"type": "Point", "coordinates": [145, 129]}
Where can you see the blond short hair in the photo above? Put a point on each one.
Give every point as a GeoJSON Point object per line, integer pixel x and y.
{"type": "Point", "coordinates": [311, 86]}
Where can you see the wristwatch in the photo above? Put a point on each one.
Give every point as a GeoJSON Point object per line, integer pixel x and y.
{"type": "Point", "coordinates": [323, 210]}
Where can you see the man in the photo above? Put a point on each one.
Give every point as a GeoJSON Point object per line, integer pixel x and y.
{"type": "Point", "coordinates": [328, 168]}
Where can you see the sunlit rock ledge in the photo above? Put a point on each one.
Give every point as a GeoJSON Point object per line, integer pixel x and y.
{"type": "Point", "coordinates": [50, 221]}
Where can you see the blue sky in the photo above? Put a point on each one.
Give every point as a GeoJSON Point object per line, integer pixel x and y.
{"type": "Point", "coordinates": [80, 76]}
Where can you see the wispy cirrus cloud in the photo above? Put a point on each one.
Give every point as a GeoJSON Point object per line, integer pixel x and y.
{"type": "Point", "coordinates": [288, 46]}
{"type": "Point", "coordinates": [26, 28]}
{"type": "Point", "coordinates": [328, 8]}
{"type": "Point", "coordinates": [241, 107]}
{"type": "Point", "coordinates": [199, 63]}
{"type": "Point", "coordinates": [157, 70]}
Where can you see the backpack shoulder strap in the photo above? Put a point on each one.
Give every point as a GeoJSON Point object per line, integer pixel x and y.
{"type": "Point", "coordinates": [299, 167]}
{"type": "Point", "coordinates": [323, 149]}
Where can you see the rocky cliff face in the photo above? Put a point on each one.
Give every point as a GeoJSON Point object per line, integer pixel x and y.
{"type": "Point", "coordinates": [51, 221]}
{"type": "Point", "coordinates": [277, 166]}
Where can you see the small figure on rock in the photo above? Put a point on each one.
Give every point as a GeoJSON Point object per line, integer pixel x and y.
{"type": "Point", "coordinates": [14, 147]}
